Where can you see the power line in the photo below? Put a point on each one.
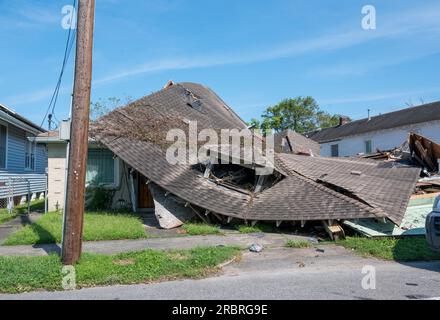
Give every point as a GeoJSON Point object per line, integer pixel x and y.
{"type": "Point", "coordinates": [69, 44]}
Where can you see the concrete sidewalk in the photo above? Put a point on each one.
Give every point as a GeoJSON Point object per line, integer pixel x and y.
{"type": "Point", "coordinates": [187, 242]}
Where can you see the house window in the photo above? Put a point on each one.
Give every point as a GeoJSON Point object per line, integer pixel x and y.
{"type": "Point", "coordinates": [335, 150]}
{"type": "Point", "coordinates": [3, 134]}
{"type": "Point", "coordinates": [100, 167]}
{"type": "Point", "coordinates": [368, 147]}
{"type": "Point", "coordinates": [29, 156]}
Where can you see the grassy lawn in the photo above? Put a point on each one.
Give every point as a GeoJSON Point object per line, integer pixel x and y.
{"type": "Point", "coordinates": [405, 249]}
{"type": "Point", "coordinates": [20, 274]}
{"type": "Point", "coordinates": [195, 229]}
{"type": "Point", "coordinates": [97, 226]}
{"type": "Point", "coordinates": [258, 228]}
{"type": "Point", "coordinates": [297, 244]}
{"type": "Point", "coordinates": [20, 209]}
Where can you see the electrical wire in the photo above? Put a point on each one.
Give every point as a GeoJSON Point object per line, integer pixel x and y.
{"type": "Point", "coordinates": [69, 44]}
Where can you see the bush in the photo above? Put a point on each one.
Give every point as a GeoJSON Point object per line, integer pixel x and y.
{"type": "Point", "coordinates": [98, 198]}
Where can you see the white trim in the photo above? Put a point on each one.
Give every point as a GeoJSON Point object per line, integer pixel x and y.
{"type": "Point", "coordinates": [18, 123]}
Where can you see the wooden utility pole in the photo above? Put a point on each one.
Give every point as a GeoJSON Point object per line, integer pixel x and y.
{"type": "Point", "coordinates": [79, 133]}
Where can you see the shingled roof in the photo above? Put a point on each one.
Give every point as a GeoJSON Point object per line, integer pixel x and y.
{"type": "Point", "coordinates": [289, 141]}
{"type": "Point", "coordinates": [404, 117]}
{"type": "Point", "coordinates": [136, 134]}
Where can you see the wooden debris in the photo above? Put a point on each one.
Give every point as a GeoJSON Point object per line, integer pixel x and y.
{"type": "Point", "coordinates": [334, 230]}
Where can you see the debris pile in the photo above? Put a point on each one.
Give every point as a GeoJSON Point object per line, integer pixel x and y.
{"type": "Point", "coordinates": [426, 153]}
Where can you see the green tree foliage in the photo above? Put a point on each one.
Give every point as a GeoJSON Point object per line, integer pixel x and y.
{"type": "Point", "coordinates": [326, 120]}
{"type": "Point", "coordinates": [298, 114]}
{"type": "Point", "coordinates": [301, 114]}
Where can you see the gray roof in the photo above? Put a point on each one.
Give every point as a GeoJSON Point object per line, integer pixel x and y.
{"type": "Point", "coordinates": [136, 134]}
{"type": "Point", "coordinates": [292, 142]}
{"type": "Point", "coordinates": [14, 118]}
{"type": "Point", "coordinates": [404, 117]}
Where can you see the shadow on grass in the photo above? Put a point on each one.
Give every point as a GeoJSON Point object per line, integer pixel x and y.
{"type": "Point", "coordinates": [46, 240]}
{"type": "Point", "coordinates": [44, 236]}
{"type": "Point", "coordinates": [415, 252]}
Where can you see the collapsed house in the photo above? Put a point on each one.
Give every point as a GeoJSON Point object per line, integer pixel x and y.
{"type": "Point", "coordinates": [300, 187]}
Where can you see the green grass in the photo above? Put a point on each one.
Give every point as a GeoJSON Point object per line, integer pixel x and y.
{"type": "Point", "coordinates": [97, 226]}
{"type": "Point", "coordinates": [20, 274]}
{"type": "Point", "coordinates": [258, 228]}
{"type": "Point", "coordinates": [195, 229]}
{"type": "Point", "coordinates": [297, 244]}
{"type": "Point", "coordinates": [405, 249]}
{"type": "Point", "coordinates": [20, 209]}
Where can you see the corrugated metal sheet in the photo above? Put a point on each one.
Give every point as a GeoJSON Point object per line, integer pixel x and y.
{"type": "Point", "coordinates": [21, 184]}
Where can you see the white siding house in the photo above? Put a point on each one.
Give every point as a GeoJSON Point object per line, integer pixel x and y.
{"type": "Point", "coordinates": [383, 132]}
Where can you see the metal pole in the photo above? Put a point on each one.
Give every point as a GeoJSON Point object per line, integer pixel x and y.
{"type": "Point", "coordinates": [75, 191]}
{"type": "Point", "coordinates": [29, 196]}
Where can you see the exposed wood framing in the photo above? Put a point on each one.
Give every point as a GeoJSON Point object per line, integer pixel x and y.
{"type": "Point", "coordinates": [201, 216]}
{"type": "Point", "coordinates": [278, 223]}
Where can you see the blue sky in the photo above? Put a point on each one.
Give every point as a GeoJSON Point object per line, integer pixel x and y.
{"type": "Point", "coordinates": [252, 53]}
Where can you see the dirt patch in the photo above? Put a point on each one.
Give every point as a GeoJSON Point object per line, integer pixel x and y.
{"type": "Point", "coordinates": [124, 262]}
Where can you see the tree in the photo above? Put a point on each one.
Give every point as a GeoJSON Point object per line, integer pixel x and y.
{"type": "Point", "coordinates": [326, 120]}
{"type": "Point", "coordinates": [299, 114]}
{"type": "Point", "coordinates": [104, 106]}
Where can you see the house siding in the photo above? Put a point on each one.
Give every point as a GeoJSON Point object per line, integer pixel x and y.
{"type": "Point", "coordinates": [382, 140]}
{"type": "Point", "coordinates": [41, 158]}
{"type": "Point", "coordinates": [16, 152]}
{"type": "Point", "coordinates": [56, 176]}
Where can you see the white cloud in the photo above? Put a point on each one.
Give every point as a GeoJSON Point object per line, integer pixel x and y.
{"type": "Point", "coordinates": [377, 96]}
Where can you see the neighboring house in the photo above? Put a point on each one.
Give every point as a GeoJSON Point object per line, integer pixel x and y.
{"type": "Point", "coordinates": [103, 170]}
{"type": "Point", "coordinates": [23, 161]}
{"type": "Point", "coordinates": [382, 132]}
